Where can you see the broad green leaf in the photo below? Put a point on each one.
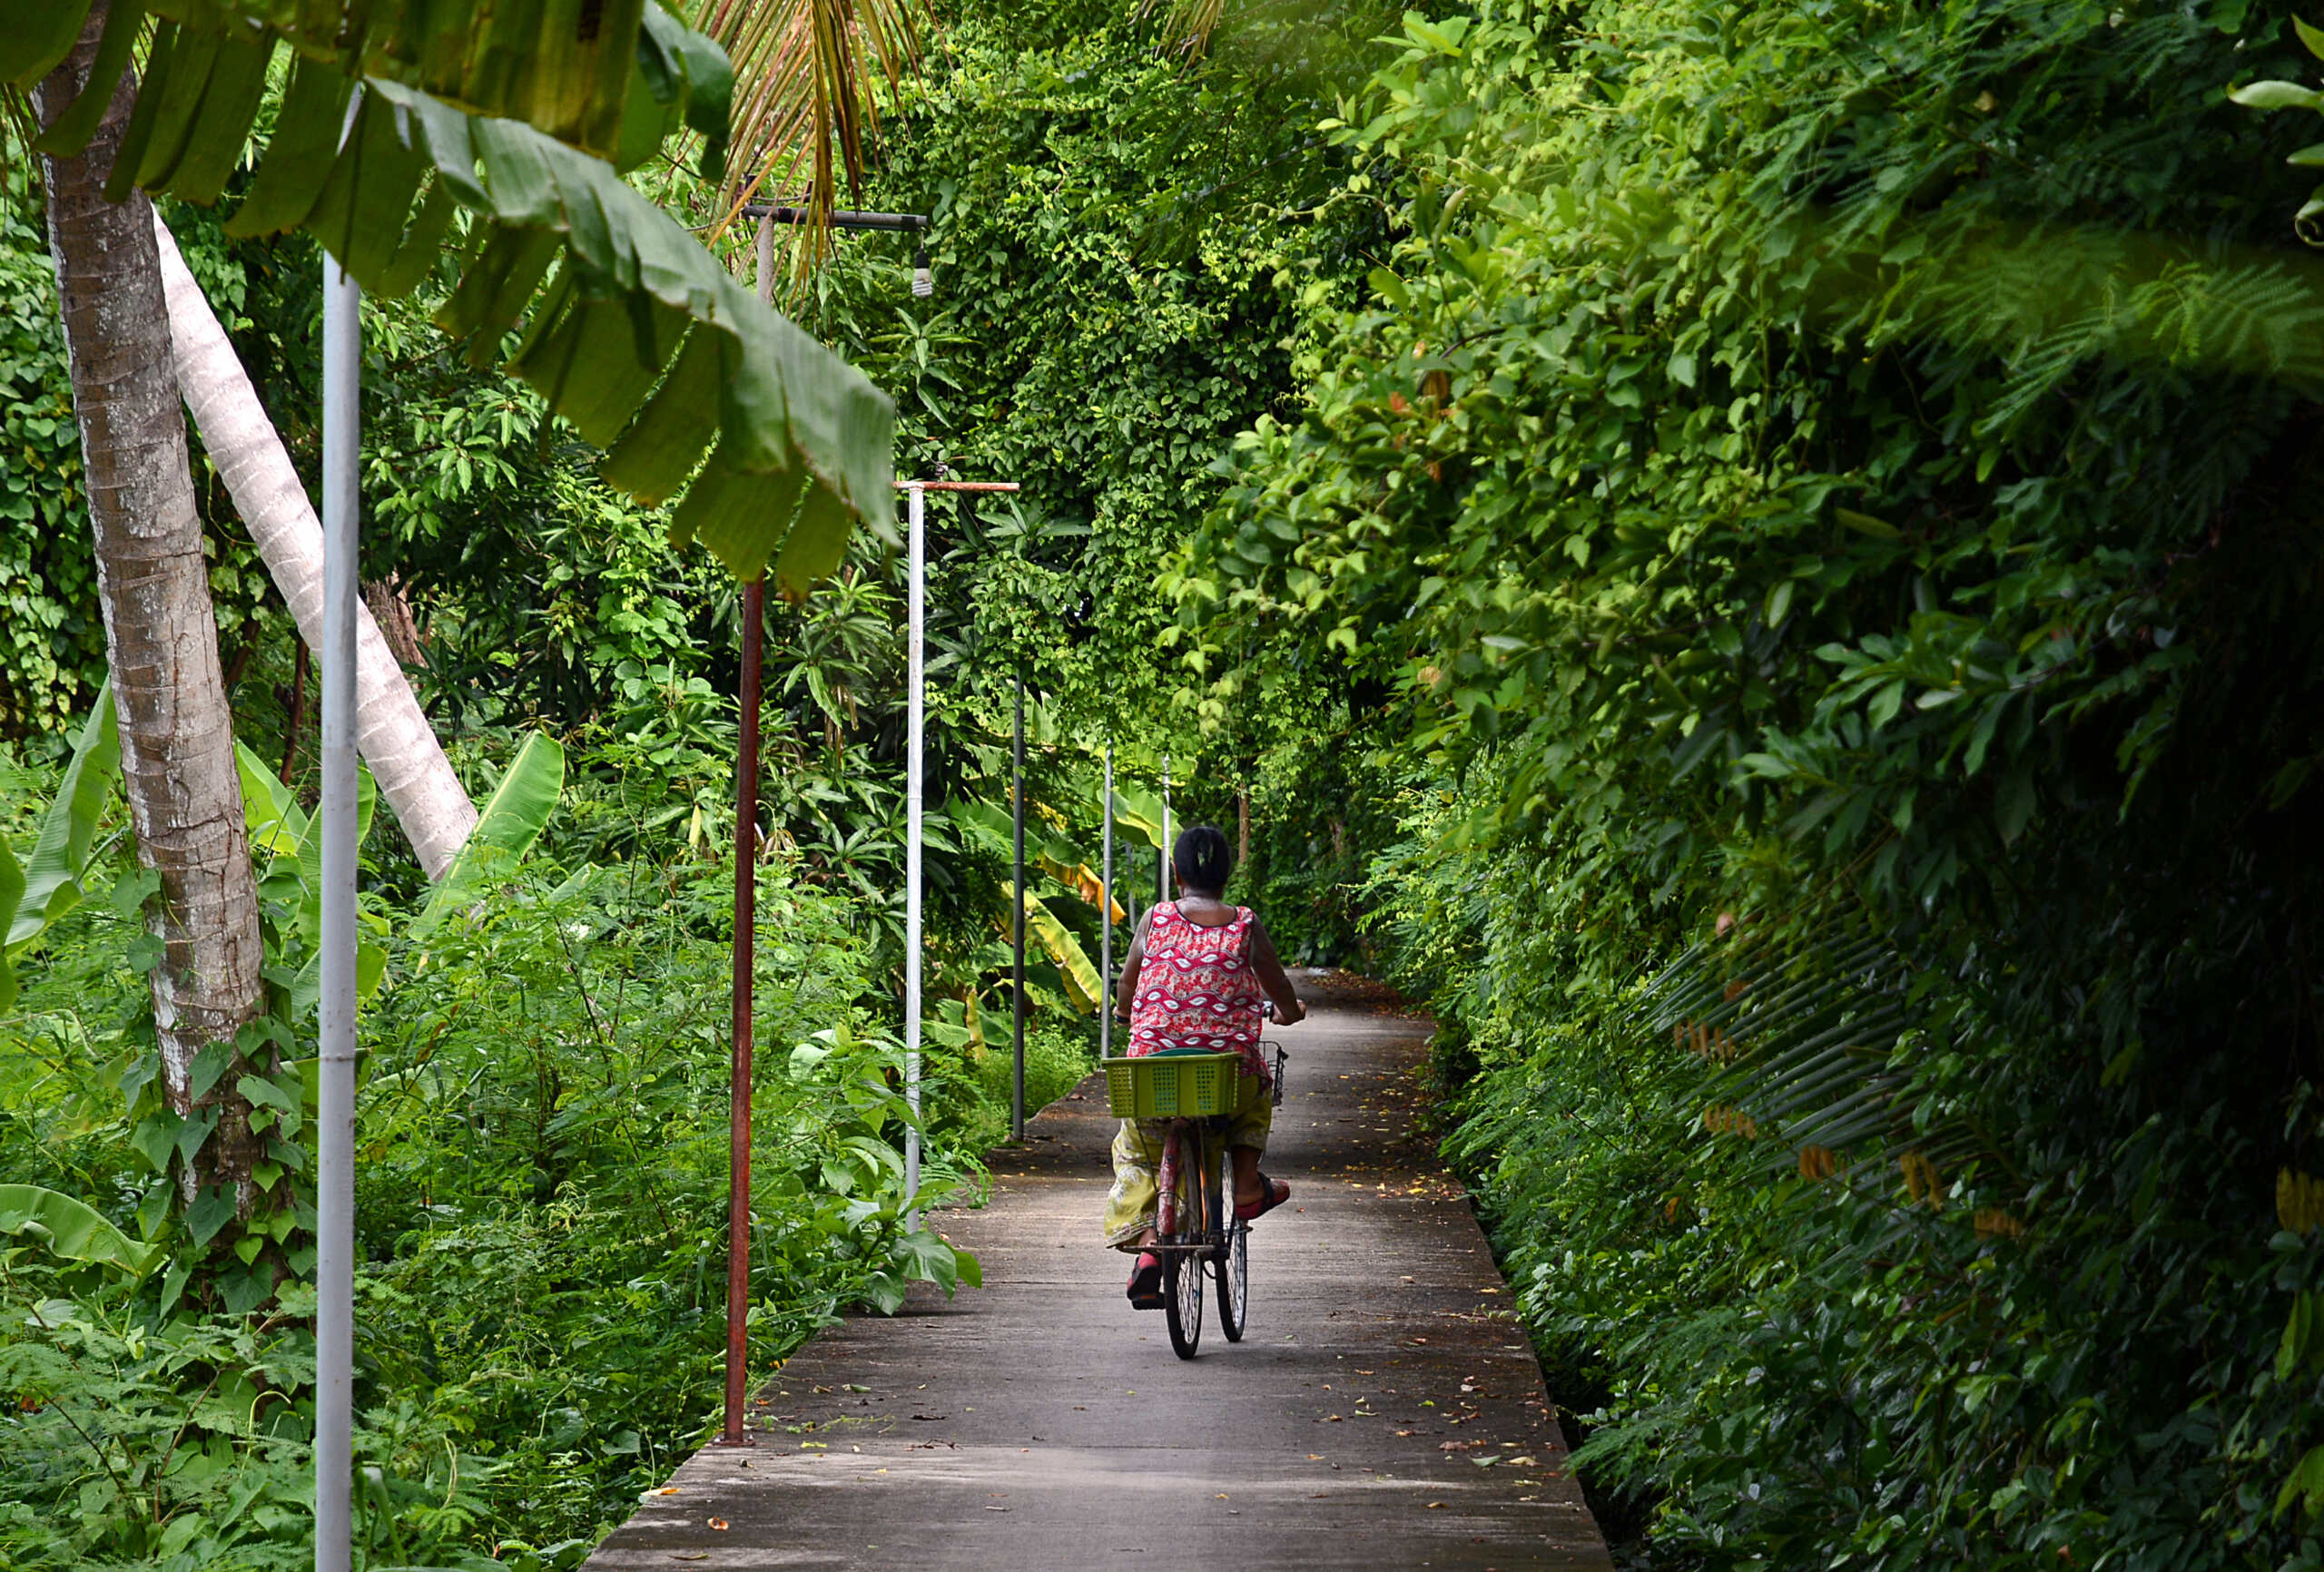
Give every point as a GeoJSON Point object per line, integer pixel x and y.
{"type": "Point", "coordinates": [60, 853]}
{"type": "Point", "coordinates": [310, 854]}
{"type": "Point", "coordinates": [511, 820]}
{"type": "Point", "coordinates": [271, 809]}
{"type": "Point", "coordinates": [11, 891]}
{"type": "Point", "coordinates": [72, 1229]}
{"type": "Point", "coordinates": [564, 68]}
{"type": "Point", "coordinates": [125, 23]}
{"type": "Point", "coordinates": [1865, 524]}
{"type": "Point", "coordinates": [2305, 1484]}
{"type": "Point", "coordinates": [32, 45]}
{"type": "Point", "coordinates": [2276, 95]}
{"type": "Point", "coordinates": [1141, 810]}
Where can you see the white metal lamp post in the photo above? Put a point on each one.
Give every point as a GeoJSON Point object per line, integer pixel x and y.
{"type": "Point", "coordinates": [335, 1073]}
{"type": "Point", "coordinates": [916, 779]}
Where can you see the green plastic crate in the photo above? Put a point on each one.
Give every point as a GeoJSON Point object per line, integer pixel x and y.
{"type": "Point", "coordinates": [1178, 1086]}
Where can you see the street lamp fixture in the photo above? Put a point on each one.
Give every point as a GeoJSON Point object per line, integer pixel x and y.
{"type": "Point", "coordinates": [923, 283]}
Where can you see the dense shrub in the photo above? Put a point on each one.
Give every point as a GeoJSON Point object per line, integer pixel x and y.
{"type": "Point", "coordinates": [1831, 487]}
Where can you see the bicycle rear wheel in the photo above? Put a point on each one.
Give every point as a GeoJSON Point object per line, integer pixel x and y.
{"type": "Point", "coordinates": [1182, 1271]}
{"type": "Point", "coordinates": [1234, 1268]}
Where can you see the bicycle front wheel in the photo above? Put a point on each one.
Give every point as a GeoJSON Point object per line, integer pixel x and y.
{"type": "Point", "coordinates": [1234, 1268]}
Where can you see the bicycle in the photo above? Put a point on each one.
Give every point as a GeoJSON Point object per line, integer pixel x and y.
{"type": "Point", "coordinates": [1198, 1230]}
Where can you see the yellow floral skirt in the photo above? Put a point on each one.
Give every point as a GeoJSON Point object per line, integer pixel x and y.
{"type": "Point", "coordinates": [1138, 1155]}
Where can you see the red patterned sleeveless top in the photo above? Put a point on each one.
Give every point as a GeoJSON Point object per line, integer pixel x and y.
{"type": "Point", "coordinates": [1195, 989]}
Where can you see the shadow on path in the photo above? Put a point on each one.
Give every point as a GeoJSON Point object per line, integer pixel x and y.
{"type": "Point", "coordinates": [1041, 1425]}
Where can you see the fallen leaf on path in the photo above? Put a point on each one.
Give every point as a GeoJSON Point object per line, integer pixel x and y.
{"type": "Point", "coordinates": [1433, 1506]}
{"type": "Point", "coordinates": [719, 1524]}
{"type": "Point", "coordinates": [664, 1490]}
{"type": "Point", "coordinates": [1486, 1462]}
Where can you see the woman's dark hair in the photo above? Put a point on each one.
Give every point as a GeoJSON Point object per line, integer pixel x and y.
{"type": "Point", "coordinates": [1202, 859]}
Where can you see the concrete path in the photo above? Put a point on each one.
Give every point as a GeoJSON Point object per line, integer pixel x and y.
{"type": "Point", "coordinates": [1041, 1425]}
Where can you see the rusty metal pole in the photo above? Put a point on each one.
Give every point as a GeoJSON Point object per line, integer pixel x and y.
{"type": "Point", "coordinates": [738, 1194]}
{"type": "Point", "coordinates": [1016, 974]}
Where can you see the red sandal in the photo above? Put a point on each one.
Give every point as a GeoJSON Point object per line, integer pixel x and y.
{"type": "Point", "coordinates": [1276, 1194]}
{"type": "Point", "coordinates": [1146, 1282]}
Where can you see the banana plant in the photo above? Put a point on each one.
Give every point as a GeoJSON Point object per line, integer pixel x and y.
{"type": "Point", "coordinates": [506, 127]}
{"type": "Point", "coordinates": [511, 822]}
{"type": "Point", "coordinates": [286, 844]}
{"type": "Point", "coordinates": [1139, 809]}
{"type": "Point", "coordinates": [1082, 984]}
{"type": "Point", "coordinates": [36, 894]}
{"type": "Point", "coordinates": [72, 1230]}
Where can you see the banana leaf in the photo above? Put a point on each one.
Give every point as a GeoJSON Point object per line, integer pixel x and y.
{"type": "Point", "coordinates": [571, 72]}
{"type": "Point", "coordinates": [512, 820]}
{"type": "Point", "coordinates": [1141, 810]}
{"type": "Point", "coordinates": [72, 1229]}
{"type": "Point", "coordinates": [636, 335]}
{"type": "Point", "coordinates": [11, 891]}
{"type": "Point", "coordinates": [1077, 876]}
{"type": "Point", "coordinates": [1082, 984]}
{"type": "Point", "coordinates": [60, 855]}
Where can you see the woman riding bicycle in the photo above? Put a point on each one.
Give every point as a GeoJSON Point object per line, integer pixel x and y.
{"type": "Point", "coordinates": [1192, 982]}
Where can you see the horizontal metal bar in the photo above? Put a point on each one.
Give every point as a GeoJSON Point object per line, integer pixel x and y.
{"type": "Point", "coordinates": [840, 218]}
{"type": "Point", "coordinates": [957, 485]}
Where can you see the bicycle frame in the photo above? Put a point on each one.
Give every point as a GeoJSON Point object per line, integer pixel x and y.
{"type": "Point", "coordinates": [1209, 1140]}
{"type": "Point", "coordinates": [1207, 1137]}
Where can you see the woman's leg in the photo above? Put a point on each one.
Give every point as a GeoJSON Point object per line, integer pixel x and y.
{"type": "Point", "coordinates": [1246, 1138]}
{"type": "Point", "coordinates": [1130, 1207]}
{"type": "Point", "coordinates": [1247, 1175]}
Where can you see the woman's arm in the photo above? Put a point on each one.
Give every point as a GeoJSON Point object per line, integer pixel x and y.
{"type": "Point", "coordinates": [1126, 989]}
{"type": "Point", "coordinates": [1288, 1010]}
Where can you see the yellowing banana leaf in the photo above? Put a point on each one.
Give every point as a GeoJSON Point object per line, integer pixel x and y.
{"type": "Point", "coordinates": [641, 339]}
{"type": "Point", "coordinates": [60, 854]}
{"type": "Point", "coordinates": [512, 820]}
{"type": "Point", "coordinates": [1082, 880]}
{"type": "Point", "coordinates": [72, 1229]}
{"type": "Point", "coordinates": [1082, 984]}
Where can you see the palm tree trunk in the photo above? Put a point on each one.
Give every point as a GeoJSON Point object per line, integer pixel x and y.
{"type": "Point", "coordinates": [177, 741]}
{"type": "Point", "coordinates": [395, 737]}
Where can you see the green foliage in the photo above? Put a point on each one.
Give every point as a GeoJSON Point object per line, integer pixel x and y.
{"type": "Point", "coordinates": [1106, 245]}
{"type": "Point", "coordinates": [541, 1215]}
{"type": "Point", "coordinates": [1836, 543]}
{"type": "Point", "coordinates": [54, 651]}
